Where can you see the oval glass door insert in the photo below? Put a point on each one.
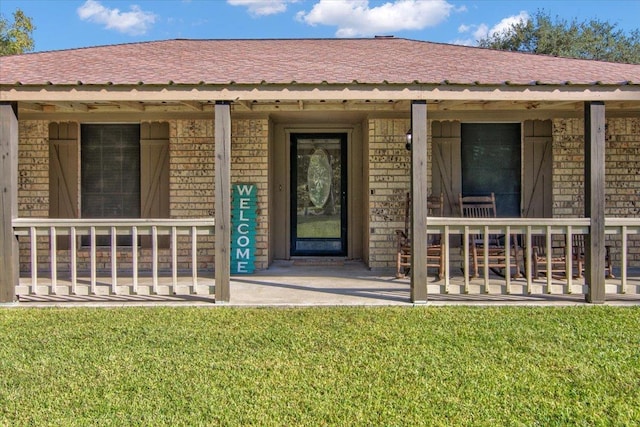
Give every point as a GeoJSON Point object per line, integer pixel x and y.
{"type": "Point", "coordinates": [319, 178]}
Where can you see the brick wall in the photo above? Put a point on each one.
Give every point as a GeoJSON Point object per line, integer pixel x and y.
{"type": "Point", "coordinates": [622, 167]}
{"type": "Point", "coordinates": [191, 166]}
{"type": "Point", "coordinates": [389, 181]}
{"type": "Point", "coordinates": [33, 182]}
{"type": "Point", "coordinates": [622, 172]}
{"type": "Point", "coordinates": [33, 168]}
{"type": "Point", "coordinates": [191, 182]}
{"type": "Point", "coordinates": [568, 168]}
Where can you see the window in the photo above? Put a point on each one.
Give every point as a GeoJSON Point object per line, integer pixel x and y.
{"type": "Point", "coordinates": [110, 171]}
{"type": "Point", "coordinates": [490, 160]}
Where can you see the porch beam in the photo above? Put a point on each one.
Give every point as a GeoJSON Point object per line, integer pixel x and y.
{"type": "Point", "coordinates": [196, 106]}
{"type": "Point", "coordinates": [222, 203]}
{"type": "Point", "coordinates": [9, 271]}
{"type": "Point", "coordinates": [419, 201]}
{"type": "Point", "coordinates": [594, 177]}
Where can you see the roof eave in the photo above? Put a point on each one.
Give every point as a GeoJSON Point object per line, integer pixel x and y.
{"type": "Point", "coordinates": [201, 91]}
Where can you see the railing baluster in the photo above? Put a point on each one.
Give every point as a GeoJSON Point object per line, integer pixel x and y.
{"type": "Point", "coordinates": [134, 258]}
{"type": "Point", "coordinates": [548, 243]}
{"type": "Point", "coordinates": [33, 244]}
{"type": "Point", "coordinates": [114, 260]}
{"type": "Point", "coordinates": [465, 261]}
{"type": "Point", "coordinates": [73, 260]}
{"type": "Point", "coordinates": [485, 256]}
{"type": "Point", "coordinates": [444, 247]}
{"type": "Point", "coordinates": [53, 260]}
{"type": "Point", "coordinates": [174, 258]}
{"type": "Point", "coordinates": [93, 260]}
{"type": "Point", "coordinates": [507, 254]}
{"type": "Point", "coordinates": [154, 258]}
{"type": "Point", "coordinates": [529, 260]}
{"type": "Point", "coordinates": [568, 244]}
{"type": "Point", "coordinates": [623, 267]}
{"type": "Point", "coordinates": [194, 258]}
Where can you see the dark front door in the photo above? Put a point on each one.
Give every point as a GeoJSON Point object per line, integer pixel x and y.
{"type": "Point", "coordinates": [318, 194]}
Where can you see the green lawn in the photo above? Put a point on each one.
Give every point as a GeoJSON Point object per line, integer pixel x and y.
{"type": "Point", "coordinates": [320, 366]}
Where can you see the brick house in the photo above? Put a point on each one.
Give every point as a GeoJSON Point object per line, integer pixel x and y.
{"type": "Point", "coordinates": [141, 145]}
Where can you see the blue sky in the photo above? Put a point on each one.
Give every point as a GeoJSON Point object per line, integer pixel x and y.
{"type": "Point", "coordinates": [65, 24]}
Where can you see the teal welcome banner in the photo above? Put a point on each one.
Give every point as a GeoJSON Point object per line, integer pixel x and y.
{"type": "Point", "coordinates": [244, 220]}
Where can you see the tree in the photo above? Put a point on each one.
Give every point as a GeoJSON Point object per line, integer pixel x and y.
{"type": "Point", "coordinates": [15, 37]}
{"type": "Point", "coordinates": [593, 39]}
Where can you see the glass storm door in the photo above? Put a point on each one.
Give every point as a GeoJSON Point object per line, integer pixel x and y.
{"type": "Point", "coordinates": [318, 194]}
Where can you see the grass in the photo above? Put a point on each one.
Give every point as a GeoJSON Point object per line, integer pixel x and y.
{"type": "Point", "coordinates": [320, 366]}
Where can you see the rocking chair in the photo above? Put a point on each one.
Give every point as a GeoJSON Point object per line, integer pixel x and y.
{"type": "Point", "coordinates": [579, 257]}
{"type": "Point", "coordinates": [435, 205]}
{"type": "Point", "coordinates": [541, 254]}
{"type": "Point", "coordinates": [558, 258]}
{"type": "Point", "coordinates": [494, 247]}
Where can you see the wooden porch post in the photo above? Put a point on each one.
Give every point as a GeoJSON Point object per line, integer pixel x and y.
{"type": "Point", "coordinates": [594, 178]}
{"type": "Point", "coordinates": [9, 266]}
{"type": "Point", "coordinates": [419, 202]}
{"type": "Point", "coordinates": [222, 199]}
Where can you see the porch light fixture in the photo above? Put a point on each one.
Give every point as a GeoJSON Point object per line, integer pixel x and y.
{"type": "Point", "coordinates": [408, 136]}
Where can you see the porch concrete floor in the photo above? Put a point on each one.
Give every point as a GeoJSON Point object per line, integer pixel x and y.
{"type": "Point", "coordinates": [291, 283]}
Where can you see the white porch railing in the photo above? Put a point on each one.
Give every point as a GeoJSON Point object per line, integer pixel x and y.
{"type": "Point", "coordinates": [39, 239]}
{"type": "Point", "coordinates": [526, 228]}
{"type": "Point", "coordinates": [623, 227]}
{"type": "Point", "coordinates": [30, 229]}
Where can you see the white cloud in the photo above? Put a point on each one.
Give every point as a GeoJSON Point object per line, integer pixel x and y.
{"type": "Point", "coordinates": [464, 42]}
{"type": "Point", "coordinates": [481, 31]}
{"type": "Point", "coordinates": [135, 22]}
{"type": "Point", "coordinates": [262, 7]}
{"type": "Point", "coordinates": [355, 18]}
{"type": "Point", "coordinates": [508, 22]}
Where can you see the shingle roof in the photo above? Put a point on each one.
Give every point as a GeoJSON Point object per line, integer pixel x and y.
{"type": "Point", "coordinates": [304, 61]}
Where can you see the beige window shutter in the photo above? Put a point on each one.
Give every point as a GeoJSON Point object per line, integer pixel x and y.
{"type": "Point", "coordinates": [537, 164]}
{"type": "Point", "coordinates": [63, 179]}
{"type": "Point", "coordinates": [154, 170]}
{"type": "Point", "coordinates": [154, 176]}
{"type": "Point", "coordinates": [446, 169]}
{"type": "Point", "coordinates": [64, 174]}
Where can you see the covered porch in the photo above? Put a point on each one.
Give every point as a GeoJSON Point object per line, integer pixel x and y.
{"type": "Point", "coordinates": [60, 267]}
